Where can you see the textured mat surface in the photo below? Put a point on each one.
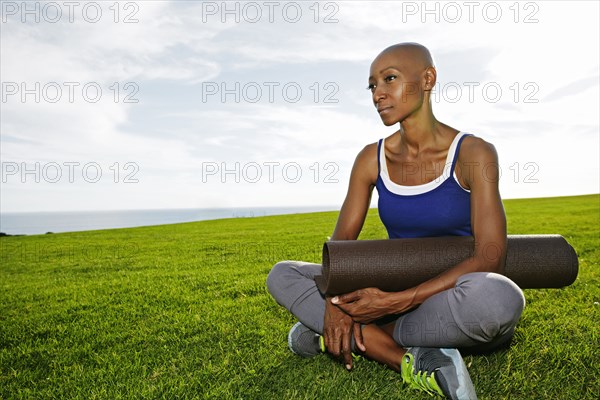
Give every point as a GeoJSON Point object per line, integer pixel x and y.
{"type": "Point", "coordinates": [532, 261]}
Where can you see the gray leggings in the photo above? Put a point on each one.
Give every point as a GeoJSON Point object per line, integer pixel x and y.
{"type": "Point", "coordinates": [480, 312]}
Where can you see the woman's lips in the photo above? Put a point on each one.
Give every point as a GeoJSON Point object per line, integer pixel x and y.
{"type": "Point", "coordinates": [384, 110]}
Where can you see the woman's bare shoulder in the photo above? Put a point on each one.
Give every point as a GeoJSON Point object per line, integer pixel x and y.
{"type": "Point", "coordinates": [369, 150]}
{"type": "Point", "coordinates": [475, 149]}
{"type": "Point", "coordinates": [366, 162]}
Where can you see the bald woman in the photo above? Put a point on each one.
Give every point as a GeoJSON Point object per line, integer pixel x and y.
{"type": "Point", "coordinates": [432, 180]}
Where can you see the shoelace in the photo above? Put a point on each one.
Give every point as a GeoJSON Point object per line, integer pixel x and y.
{"type": "Point", "coordinates": [355, 356]}
{"type": "Point", "coordinates": [419, 380]}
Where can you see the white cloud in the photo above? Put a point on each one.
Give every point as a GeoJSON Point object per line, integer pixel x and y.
{"type": "Point", "coordinates": [170, 134]}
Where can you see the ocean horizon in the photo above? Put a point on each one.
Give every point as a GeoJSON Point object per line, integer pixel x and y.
{"type": "Point", "coordinates": [36, 223]}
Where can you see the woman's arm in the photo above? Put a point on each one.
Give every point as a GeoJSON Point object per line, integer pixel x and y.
{"type": "Point", "coordinates": [479, 170]}
{"type": "Point", "coordinates": [338, 325]}
{"type": "Point", "coordinates": [358, 198]}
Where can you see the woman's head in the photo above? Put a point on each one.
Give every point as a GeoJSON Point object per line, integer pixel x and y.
{"type": "Point", "coordinates": [401, 78]}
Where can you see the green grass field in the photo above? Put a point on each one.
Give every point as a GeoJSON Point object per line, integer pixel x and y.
{"type": "Point", "coordinates": [181, 311]}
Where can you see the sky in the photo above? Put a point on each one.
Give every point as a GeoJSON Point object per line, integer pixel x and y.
{"type": "Point", "coordinates": [189, 104]}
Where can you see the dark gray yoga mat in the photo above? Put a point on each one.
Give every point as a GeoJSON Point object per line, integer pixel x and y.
{"type": "Point", "coordinates": [532, 261]}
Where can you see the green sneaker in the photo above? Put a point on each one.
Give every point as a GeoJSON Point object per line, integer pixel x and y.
{"type": "Point", "coordinates": [304, 341]}
{"type": "Point", "coordinates": [437, 371]}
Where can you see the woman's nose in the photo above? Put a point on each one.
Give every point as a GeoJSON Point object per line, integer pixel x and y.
{"type": "Point", "coordinates": [378, 94]}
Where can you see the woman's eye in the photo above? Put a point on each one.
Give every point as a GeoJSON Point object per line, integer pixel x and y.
{"type": "Point", "coordinates": [390, 78]}
{"type": "Point", "coordinates": [371, 87]}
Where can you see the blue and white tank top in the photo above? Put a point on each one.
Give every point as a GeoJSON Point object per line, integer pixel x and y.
{"type": "Point", "coordinates": [441, 207]}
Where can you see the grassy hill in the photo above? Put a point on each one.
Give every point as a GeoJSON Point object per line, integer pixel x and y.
{"type": "Point", "coordinates": [182, 311]}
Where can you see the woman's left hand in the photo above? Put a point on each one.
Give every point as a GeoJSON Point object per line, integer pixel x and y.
{"type": "Point", "coordinates": [367, 305]}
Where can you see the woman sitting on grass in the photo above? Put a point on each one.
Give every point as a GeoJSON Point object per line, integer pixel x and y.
{"type": "Point", "coordinates": [432, 180]}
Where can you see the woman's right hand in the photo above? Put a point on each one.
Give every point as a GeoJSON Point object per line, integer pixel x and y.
{"type": "Point", "coordinates": [339, 326]}
{"type": "Point", "coordinates": [337, 333]}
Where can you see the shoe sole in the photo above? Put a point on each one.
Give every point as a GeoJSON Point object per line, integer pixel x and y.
{"type": "Point", "coordinates": [296, 326]}
{"type": "Point", "coordinates": [464, 392]}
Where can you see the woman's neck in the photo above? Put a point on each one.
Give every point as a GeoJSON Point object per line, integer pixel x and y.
{"type": "Point", "coordinates": [419, 133]}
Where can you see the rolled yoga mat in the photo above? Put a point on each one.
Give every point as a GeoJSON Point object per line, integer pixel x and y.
{"type": "Point", "coordinates": [532, 261]}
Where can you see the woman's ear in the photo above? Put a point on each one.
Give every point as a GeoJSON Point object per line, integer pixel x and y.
{"type": "Point", "coordinates": [429, 77]}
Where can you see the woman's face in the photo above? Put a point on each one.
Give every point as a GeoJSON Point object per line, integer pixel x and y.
{"type": "Point", "coordinates": [396, 85]}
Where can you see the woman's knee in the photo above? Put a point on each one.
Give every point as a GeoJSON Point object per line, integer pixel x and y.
{"type": "Point", "coordinates": [493, 304]}
{"type": "Point", "coordinates": [288, 274]}
{"type": "Point", "coordinates": [277, 276]}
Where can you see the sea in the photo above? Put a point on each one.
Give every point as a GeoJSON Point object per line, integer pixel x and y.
{"type": "Point", "coordinates": [35, 223]}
